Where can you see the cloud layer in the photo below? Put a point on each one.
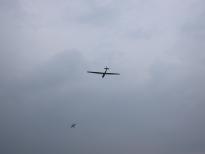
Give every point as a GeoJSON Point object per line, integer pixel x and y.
{"type": "Point", "coordinates": [155, 106]}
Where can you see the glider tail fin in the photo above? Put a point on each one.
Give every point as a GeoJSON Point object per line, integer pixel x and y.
{"type": "Point", "coordinates": [106, 68]}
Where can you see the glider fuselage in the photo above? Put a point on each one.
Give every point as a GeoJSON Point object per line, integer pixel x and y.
{"type": "Point", "coordinates": [103, 75]}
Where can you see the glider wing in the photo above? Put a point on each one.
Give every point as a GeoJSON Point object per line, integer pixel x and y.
{"type": "Point", "coordinates": [95, 72]}
{"type": "Point", "coordinates": [112, 73]}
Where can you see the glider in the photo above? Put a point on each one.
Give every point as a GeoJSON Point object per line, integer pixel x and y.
{"type": "Point", "coordinates": [104, 73]}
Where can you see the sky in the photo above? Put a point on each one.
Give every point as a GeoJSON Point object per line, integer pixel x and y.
{"type": "Point", "coordinates": [155, 106]}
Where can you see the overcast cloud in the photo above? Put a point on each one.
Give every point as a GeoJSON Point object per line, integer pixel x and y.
{"type": "Point", "coordinates": [155, 106]}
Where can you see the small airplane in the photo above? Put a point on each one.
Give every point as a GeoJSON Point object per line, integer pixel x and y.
{"type": "Point", "coordinates": [104, 73]}
{"type": "Point", "coordinates": [73, 125]}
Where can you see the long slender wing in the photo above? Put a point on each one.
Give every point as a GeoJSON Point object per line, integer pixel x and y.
{"type": "Point", "coordinates": [95, 72]}
{"type": "Point", "coordinates": [112, 74]}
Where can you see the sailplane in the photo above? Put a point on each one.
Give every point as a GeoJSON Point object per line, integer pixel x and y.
{"type": "Point", "coordinates": [104, 73]}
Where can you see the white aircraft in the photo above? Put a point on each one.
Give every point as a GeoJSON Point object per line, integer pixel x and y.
{"type": "Point", "coordinates": [104, 73]}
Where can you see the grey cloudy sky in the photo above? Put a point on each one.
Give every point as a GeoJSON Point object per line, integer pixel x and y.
{"type": "Point", "coordinates": [155, 106]}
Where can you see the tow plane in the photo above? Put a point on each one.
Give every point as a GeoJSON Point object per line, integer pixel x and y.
{"type": "Point", "coordinates": [104, 73]}
{"type": "Point", "coordinates": [73, 125]}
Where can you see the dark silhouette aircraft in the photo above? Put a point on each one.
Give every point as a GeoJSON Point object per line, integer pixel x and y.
{"type": "Point", "coordinates": [73, 125]}
{"type": "Point", "coordinates": [104, 73]}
